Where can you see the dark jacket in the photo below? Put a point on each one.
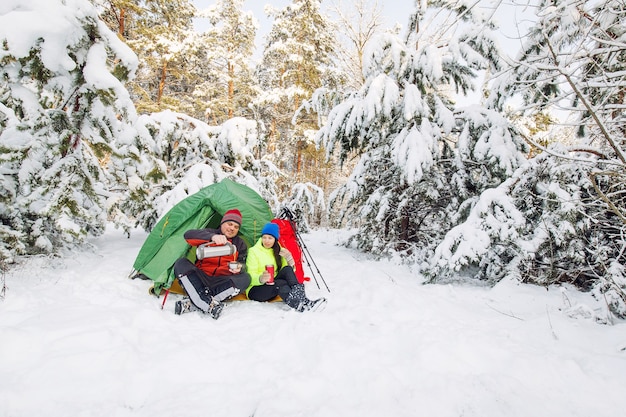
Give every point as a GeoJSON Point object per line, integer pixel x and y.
{"type": "Point", "coordinates": [216, 266]}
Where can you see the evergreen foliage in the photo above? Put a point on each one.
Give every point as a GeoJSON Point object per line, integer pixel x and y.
{"type": "Point", "coordinates": [65, 119]}
{"type": "Point", "coordinates": [560, 218]}
{"type": "Point", "coordinates": [307, 203]}
{"type": "Point", "coordinates": [161, 33]}
{"type": "Point", "coordinates": [227, 78]}
{"type": "Point", "coordinates": [297, 59]}
{"type": "Point", "coordinates": [183, 155]}
{"type": "Point", "coordinates": [545, 225]}
{"type": "Point", "coordinates": [453, 189]}
{"type": "Point", "coordinates": [423, 162]}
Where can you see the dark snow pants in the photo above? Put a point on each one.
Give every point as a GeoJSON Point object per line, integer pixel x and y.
{"type": "Point", "coordinates": [284, 281]}
{"type": "Point", "coordinates": [202, 288]}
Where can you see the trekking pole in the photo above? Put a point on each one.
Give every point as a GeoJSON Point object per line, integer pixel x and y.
{"type": "Point", "coordinates": [165, 298]}
{"type": "Point", "coordinates": [305, 250]}
{"type": "Point", "coordinates": [307, 256]}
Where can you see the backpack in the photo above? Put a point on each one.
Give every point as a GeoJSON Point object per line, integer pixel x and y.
{"type": "Point", "coordinates": [289, 240]}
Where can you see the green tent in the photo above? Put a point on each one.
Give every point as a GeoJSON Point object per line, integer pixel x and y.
{"type": "Point", "coordinates": [165, 244]}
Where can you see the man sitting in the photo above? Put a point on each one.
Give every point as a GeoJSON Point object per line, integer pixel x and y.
{"type": "Point", "coordinates": [213, 279]}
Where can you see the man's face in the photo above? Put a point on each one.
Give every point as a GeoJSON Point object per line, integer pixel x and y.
{"type": "Point", "coordinates": [229, 229]}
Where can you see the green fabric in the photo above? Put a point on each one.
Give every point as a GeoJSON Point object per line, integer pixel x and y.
{"type": "Point", "coordinates": [165, 243]}
{"type": "Point", "coordinates": [258, 257]}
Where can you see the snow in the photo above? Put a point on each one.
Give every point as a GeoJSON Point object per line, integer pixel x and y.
{"type": "Point", "coordinates": [81, 339]}
{"type": "Point", "coordinates": [413, 150]}
{"type": "Point", "coordinates": [23, 23]}
{"type": "Point", "coordinates": [78, 338]}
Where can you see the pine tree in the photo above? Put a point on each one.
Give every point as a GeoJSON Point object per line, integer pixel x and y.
{"type": "Point", "coordinates": [572, 62]}
{"type": "Point", "coordinates": [161, 33]}
{"type": "Point", "coordinates": [297, 59]}
{"type": "Point", "coordinates": [181, 155]}
{"type": "Point", "coordinates": [65, 121]}
{"type": "Point", "coordinates": [119, 15]}
{"type": "Point", "coordinates": [423, 162]}
{"type": "Point", "coordinates": [177, 153]}
{"type": "Point", "coordinates": [227, 83]}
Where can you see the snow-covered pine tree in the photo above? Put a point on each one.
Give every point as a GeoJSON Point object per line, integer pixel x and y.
{"type": "Point", "coordinates": [64, 120]}
{"type": "Point", "coordinates": [571, 64]}
{"type": "Point", "coordinates": [119, 15]}
{"type": "Point", "coordinates": [297, 59]}
{"type": "Point", "coordinates": [225, 62]}
{"type": "Point", "coordinates": [308, 205]}
{"type": "Point", "coordinates": [161, 33]}
{"type": "Point", "coordinates": [423, 161]}
{"type": "Point", "coordinates": [181, 155]}
{"type": "Point", "coordinates": [545, 225]}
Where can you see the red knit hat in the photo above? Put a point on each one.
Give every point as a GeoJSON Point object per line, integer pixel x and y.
{"type": "Point", "coordinates": [233, 215]}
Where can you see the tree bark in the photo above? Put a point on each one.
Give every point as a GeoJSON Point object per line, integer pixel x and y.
{"type": "Point", "coordinates": [162, 82]}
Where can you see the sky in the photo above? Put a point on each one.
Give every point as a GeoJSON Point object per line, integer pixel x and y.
{"type": "Point", "coordinates": [511, 15]}
{"type": "Point", "coordinates": [79, 338]}
{"type": "Point", "coordinates": [395, 11]}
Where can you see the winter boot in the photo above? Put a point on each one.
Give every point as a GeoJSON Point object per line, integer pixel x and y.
{"type": "Point", "coordinates": [215, 309]}
{"type": "Point", "coordinates": [199, 295]}
{"type": "Point", "coordinates": [184, 306]}
{"type": "Point", "coordinates": [296, 298]}
{"type": "Point", "coordinates": [314, 305]}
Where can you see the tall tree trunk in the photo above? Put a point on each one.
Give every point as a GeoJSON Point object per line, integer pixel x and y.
{"type": "Point", "coordinates": [122, 23]}
{"type": "Point", "coordinates": [231, 90]}
{"type": "Point", "coordinates": [162, 82]}
{"type": "Point", "coordinates": [272, 136]}
{"type": "Point", "coordinates": [299, 146]}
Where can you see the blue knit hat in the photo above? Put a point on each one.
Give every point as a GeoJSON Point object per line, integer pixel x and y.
{"type": "Point", "coordinates": [272, 230]}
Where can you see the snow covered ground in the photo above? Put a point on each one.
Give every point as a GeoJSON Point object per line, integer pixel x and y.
{"type": "Point", "coordinates": [78, 338]}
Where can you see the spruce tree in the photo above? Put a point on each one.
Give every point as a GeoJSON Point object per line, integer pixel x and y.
{"type": "Point", "coordinates": [297, 59]}
{"type": "Point", "coordinates": [227, 79]}
{"type": "Point", "coordinates": [572, 64]}
{"type": "Point", "coordinates": [65, 123]}
{"type": "Point", "coordinates": [423, 160]}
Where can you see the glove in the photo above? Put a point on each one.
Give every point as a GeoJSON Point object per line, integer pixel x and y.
{"type": "Point", "coordinates": [264, 277]}
{"type": "Point", "coordinates": [288, 257]}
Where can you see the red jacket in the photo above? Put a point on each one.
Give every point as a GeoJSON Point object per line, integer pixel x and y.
{"type": "Point", "coordinates": [216, 266]}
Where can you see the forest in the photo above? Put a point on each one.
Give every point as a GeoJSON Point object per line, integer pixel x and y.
{"type": "Point", "coordinates": [112, 111]}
